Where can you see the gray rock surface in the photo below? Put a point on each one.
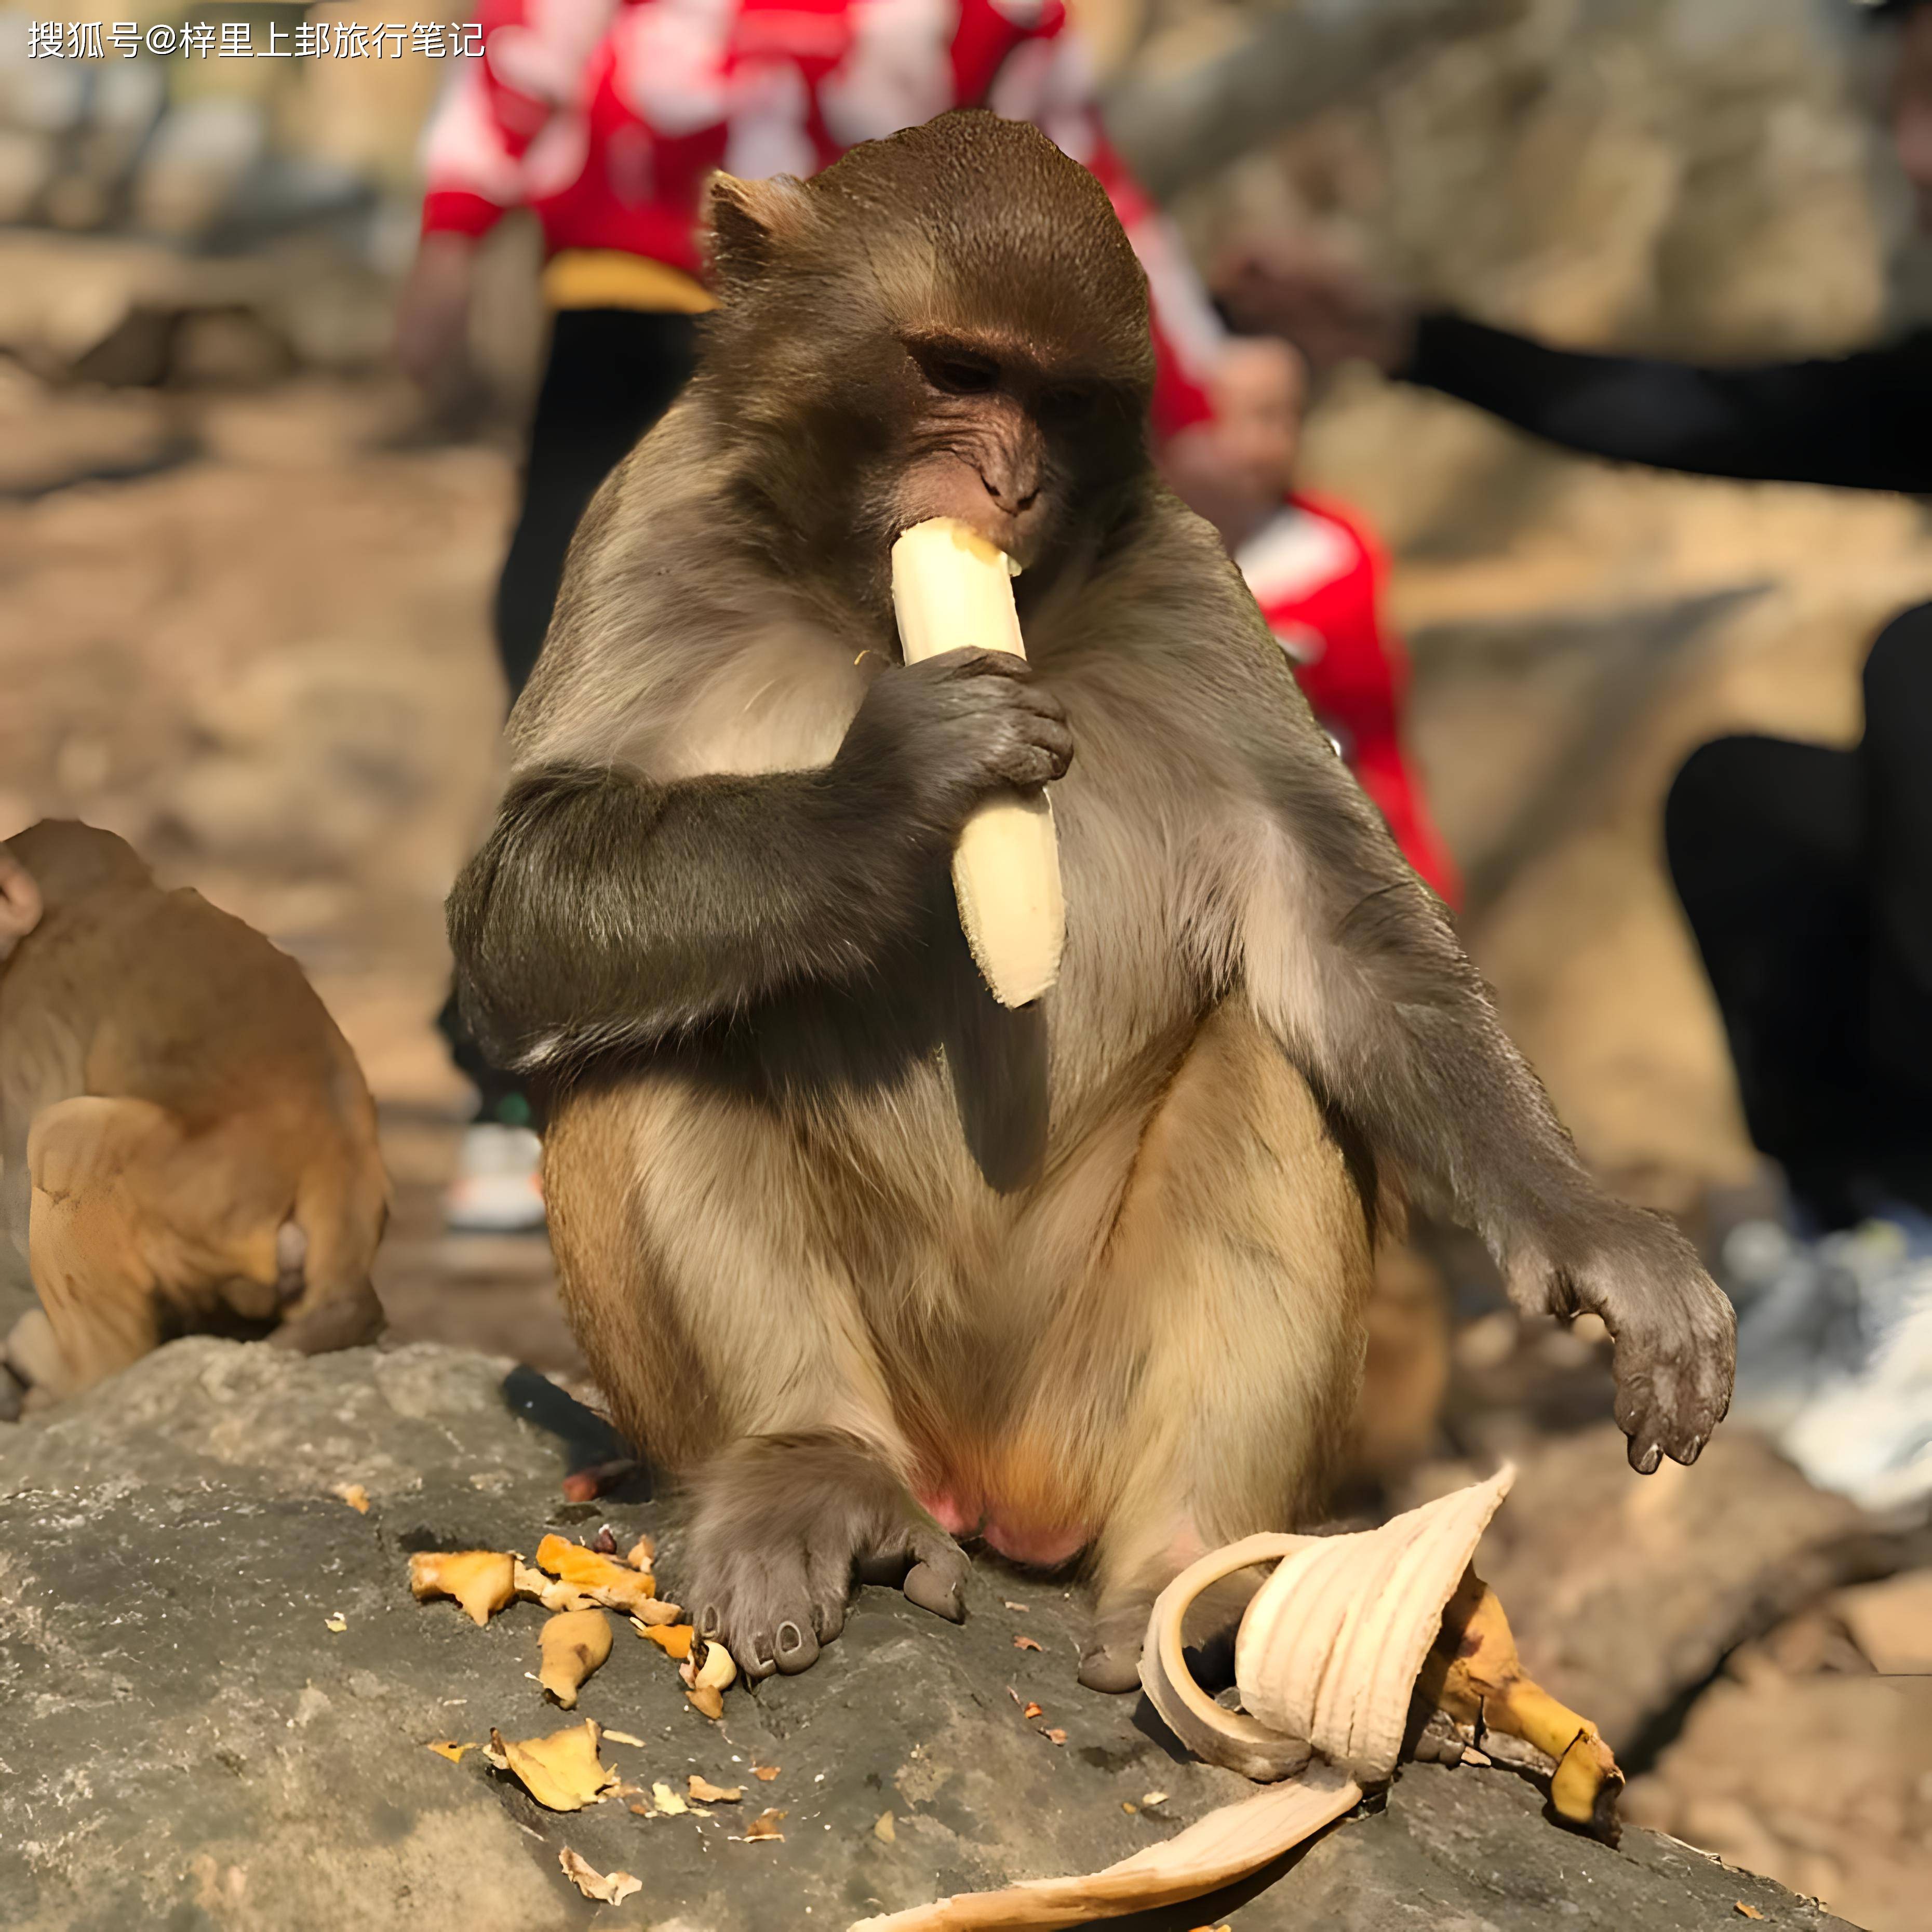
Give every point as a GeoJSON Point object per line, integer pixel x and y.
{"type": "Point", "coordinates": [185, 1743]}
{"type": "Point", "coordinates": [1626, 1592]}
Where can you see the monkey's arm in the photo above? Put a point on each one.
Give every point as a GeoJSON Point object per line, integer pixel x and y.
{"type": "Point", "coordinates": [604, 911]}
{"type": "Point", "coordinates": [1353, 963]}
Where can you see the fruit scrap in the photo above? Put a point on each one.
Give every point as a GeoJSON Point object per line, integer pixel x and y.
{"type": "Point", "coordinates": [767, 1825]}
{"type": "Point", "coordinates": [536, 1588]}
{"type": "Point", "coordinates": [561, 1771]}
{"type": "Point", "coordinates": [1031, 1711]}
{"type": "Point", "coordinates": [610, 1888]}
{"type": "Point", "coordinates": [575, 1643]}
{"type": "Point", "coordinates": [884, 1831]}
{"type": "Point", "coordinates": [707, 1675]}
{"type": "Point", "coordinates": [764, 1773]}
{"type": "Point", "coordinates": [706, 1792]}
{"type": "Point", "coordinates": [1473, 1672]}
{"type": "Point", "coordinates": [453, 1752]}
{"type": "Point", "coordinates": [642, 1555]}
{"type": "Point", "coordinates": [482, 1581]}
{"type": "Point", "coordinates": [667, 1801]}
{"type": "Point", "coordinates": [1025, 1643]}
{"type": "Point", "coordinates": [604, 1580]}
{"type": "Point", "coordinates": [674, 1640]}
{"type": "Point", "coordinates": [354, 1494]}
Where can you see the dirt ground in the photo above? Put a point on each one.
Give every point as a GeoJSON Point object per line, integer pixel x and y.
{"type": "Point", "coordinates": [248, 631]}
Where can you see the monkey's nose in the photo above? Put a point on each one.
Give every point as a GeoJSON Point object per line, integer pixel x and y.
{"type": "Point", "coordinates": [1016, 491]}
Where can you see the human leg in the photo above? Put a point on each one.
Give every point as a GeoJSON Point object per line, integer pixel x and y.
{"type": "Point", "coordinates": [1766, 842]}
{"type": "Point", "coordinates": [610, 374]}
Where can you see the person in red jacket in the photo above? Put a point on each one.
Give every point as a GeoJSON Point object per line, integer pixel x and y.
{"type": "Point", "coordinates": [606, 117]}
{"type": "Point", "coordinates": [1318, 573]}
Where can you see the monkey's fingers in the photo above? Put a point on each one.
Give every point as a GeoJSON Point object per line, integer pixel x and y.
{"type": "Point", "coordinates": [1673, 1384]}
{"type": "Point", "coordinates": [969, 662]}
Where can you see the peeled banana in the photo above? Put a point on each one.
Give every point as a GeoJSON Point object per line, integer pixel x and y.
{"type": "Point", "coordinates": [951, 589]}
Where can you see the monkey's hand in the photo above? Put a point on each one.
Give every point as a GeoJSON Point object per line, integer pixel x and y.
{"type": "Point", "coordinates": [1674, 1329]}
{"type": "Point", "coordinates": [934, 738]}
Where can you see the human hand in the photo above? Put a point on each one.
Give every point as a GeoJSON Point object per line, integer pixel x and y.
{"type": "Point", "coordinates": [433, 313]}
{"type": "Point", "coordinates": [1288, 284]}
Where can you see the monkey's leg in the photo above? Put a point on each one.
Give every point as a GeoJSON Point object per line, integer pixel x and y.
{"type": "Point", "coordinates": [730, 1342]}
{"type": "Point", "coordinates": [87, 1236]}
{"type": "Point", "coordinates": [1213, 1356]}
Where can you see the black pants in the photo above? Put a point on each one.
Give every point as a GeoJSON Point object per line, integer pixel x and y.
{"type": "Point", "coordinates": [1806, 876]}
{"type": "Point", "coordinates": [611, 374]}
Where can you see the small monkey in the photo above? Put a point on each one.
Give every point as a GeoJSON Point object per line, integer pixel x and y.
{"type": "Point", "coordinates": [186, 1140]}
{"type": "Point", "coordinates": [875, 1263]}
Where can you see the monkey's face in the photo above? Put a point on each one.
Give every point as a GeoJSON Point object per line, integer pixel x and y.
{"type": "Point", "coordinates": [987, 430]}
{"type": "Point", "coordinates": [950, 323]}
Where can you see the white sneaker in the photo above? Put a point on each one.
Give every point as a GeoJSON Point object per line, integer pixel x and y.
{"type": "Point", "coordinates": [499, 1185]}
{"type": "Point", "coordinates": [1834, 1352]}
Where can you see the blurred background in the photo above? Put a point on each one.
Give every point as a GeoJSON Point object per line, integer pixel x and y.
{"type": "Point", "coordinates": [245, 570]}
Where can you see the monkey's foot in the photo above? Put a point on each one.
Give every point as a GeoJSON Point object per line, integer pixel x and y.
{"type": "Point", "coordinates": [780, 1526]}
{"type": "Point", "coordinates": [1111, 1661]}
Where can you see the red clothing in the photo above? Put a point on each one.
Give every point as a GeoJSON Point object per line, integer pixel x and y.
{"type": "Point", "coordinates": [606, 116]}
{"type": "Point", "coordinates": [1318, 575]}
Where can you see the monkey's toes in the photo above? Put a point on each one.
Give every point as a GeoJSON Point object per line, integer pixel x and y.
{"type": "Point", "coordinates": [1111, 1661]}
{"type": "Point", "coordinates": [768, 1624]}
{"type": "Point", "coordinates": [1114, 1669]}
{"type": "Point", "coordinates": [940, 1585]}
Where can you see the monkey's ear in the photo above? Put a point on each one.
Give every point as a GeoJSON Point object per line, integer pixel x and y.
{"type": "Point", "coordinates": [748, 222]}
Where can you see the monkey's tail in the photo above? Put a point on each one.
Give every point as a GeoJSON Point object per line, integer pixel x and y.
{"type": "Point", "coordinates": [21, 905]}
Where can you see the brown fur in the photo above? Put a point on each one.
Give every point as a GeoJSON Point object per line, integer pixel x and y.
{"type": "Point", "coordinates": [186, 1140]}
{"type": "Point", "coordinates": [1093, 1274]}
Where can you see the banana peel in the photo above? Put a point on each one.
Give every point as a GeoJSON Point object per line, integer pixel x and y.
{"type": "Point", "coordinates": [602, 1580]}
{"type": "Point", "coordinates": [674, 1640]}
{"type": "Point", "coordinates": [1351, 1637]}
{"type": "Point", "coordinates": [1472, 1672]}
{"type": "Point", "coordinates": [708, 1673]}
{"type": "Point", "coordinates": [562, 1772]}
{"type": "Point", "coordinates": [482, 1581]}
{"type": "Point", "coordinates": [574, 1643]}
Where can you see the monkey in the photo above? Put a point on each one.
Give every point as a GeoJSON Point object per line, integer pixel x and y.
{"type": "Point", "coordinates": [187, 1141]}
{"type": "Point", "coordinates": [713, 917]}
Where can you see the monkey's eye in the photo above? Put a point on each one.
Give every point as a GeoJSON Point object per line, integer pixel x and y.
{"type": "Point", "coordinates": [957, 372]}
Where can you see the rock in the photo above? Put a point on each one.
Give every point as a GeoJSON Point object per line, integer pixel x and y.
{"type": "Point", "coordinates": [1817, 1773]}
{"type": "Point", "coordinates": [1627, 1591]}
{"type": "Point", "coordinates": [1891, 1623]}
{"type": "Point", "coordinates": [188, 1741]}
